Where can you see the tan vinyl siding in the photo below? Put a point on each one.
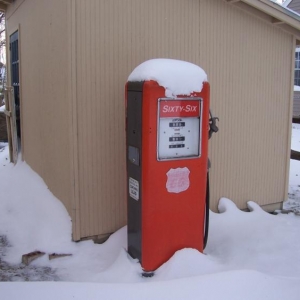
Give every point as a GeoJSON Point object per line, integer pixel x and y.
{"type": "Point", "coordinates": [108, 48]}
{"type": "Point", "coordinates": [249, 152]}
{"type": "Point", "coordinates": [44, 90]}
{"type": "Point", "coordinates": [73, 79]}
{"type": "Point", "coordinates": [237, 51]}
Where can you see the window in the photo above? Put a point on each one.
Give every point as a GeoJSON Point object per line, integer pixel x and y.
{"type": "Point", "coordinates": [297, 67]}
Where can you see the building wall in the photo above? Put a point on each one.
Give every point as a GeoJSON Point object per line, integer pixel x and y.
{"type": "Point", "coordinates": [296, 104]}
{"type": "Point", "coordinates": [44, 62]}
{"type": "Point", "coordinates": [249, 67]}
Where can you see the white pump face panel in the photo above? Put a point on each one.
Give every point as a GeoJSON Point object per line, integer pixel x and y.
{"type": "Point", "coordinates": [179, 128]}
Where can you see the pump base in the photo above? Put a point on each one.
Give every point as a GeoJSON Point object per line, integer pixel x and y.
{"type": "Point", "coordinates": [147, 274]}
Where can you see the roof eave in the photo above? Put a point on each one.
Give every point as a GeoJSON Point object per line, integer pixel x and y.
{"type": "Point", "coordinates": [4, 4]}
{"type": "Point", "coordinates": [3, 7]}
{"type": "Point", "coordinates": [7, 1]}
{"type": "Point", "coordinates": [273, 13]}
{"type": "Point", "coordinates": [286, 3]}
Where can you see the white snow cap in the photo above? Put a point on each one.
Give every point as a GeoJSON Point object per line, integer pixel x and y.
{"type": "Point", "coordinates": [176, 76]}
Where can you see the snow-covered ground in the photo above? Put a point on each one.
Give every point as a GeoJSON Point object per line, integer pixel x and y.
{"type": "Point", "coordinates": [294, 187]}
{"type": "Point", "coordinates": [249, 255]}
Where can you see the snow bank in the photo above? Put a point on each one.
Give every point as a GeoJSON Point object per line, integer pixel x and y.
{"type": "Point", "coordinates": [295, 164]}
{"type": "Point", "coordinates": [2, 108]}
{"type": "Point", "coordinates": [293, 202]}
{"type": "Point", "coordinates": [255, 240]}
{"type": "Point", "coordinates": [176, 76]}
{"type": "Point", "coordinates": [30, 215]}
{"type": "Point", "coordinates": [234, 285]}
{"type": "Point", "coordinates": [249, 255]}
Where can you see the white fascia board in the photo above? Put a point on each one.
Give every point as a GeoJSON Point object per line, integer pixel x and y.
{"type": "Point", "coordinates": [286, 3]}
{"type": "Point", "coordinates": [276, 11]}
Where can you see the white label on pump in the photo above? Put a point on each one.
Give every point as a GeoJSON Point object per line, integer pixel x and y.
{"type": "Point", "coordinates": [178, 180]}
{"type": "Point", "coordinates": [179, 128]}
{"type": "Point", "coordinates": [178, 137]}
{"type": "Point", "coordinates": [134, 188]}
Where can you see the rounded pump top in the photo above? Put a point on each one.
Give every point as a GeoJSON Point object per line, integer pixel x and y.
{"type": "Point", "coordinates": [176, 76]}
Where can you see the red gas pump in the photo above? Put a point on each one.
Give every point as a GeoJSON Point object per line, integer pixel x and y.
{"type": "Point", "coordinates": [167, 164]}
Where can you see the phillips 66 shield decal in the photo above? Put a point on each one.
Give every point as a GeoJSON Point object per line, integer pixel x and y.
{"type": "Point", "coordinates": [178, 180]}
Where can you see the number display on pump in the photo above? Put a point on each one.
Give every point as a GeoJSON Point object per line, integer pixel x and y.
{"type": "Point", "coordinates": [179, 128]}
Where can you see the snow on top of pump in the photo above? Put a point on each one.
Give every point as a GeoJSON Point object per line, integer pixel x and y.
{"type": "Point", "coordinates": [176, 76]}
